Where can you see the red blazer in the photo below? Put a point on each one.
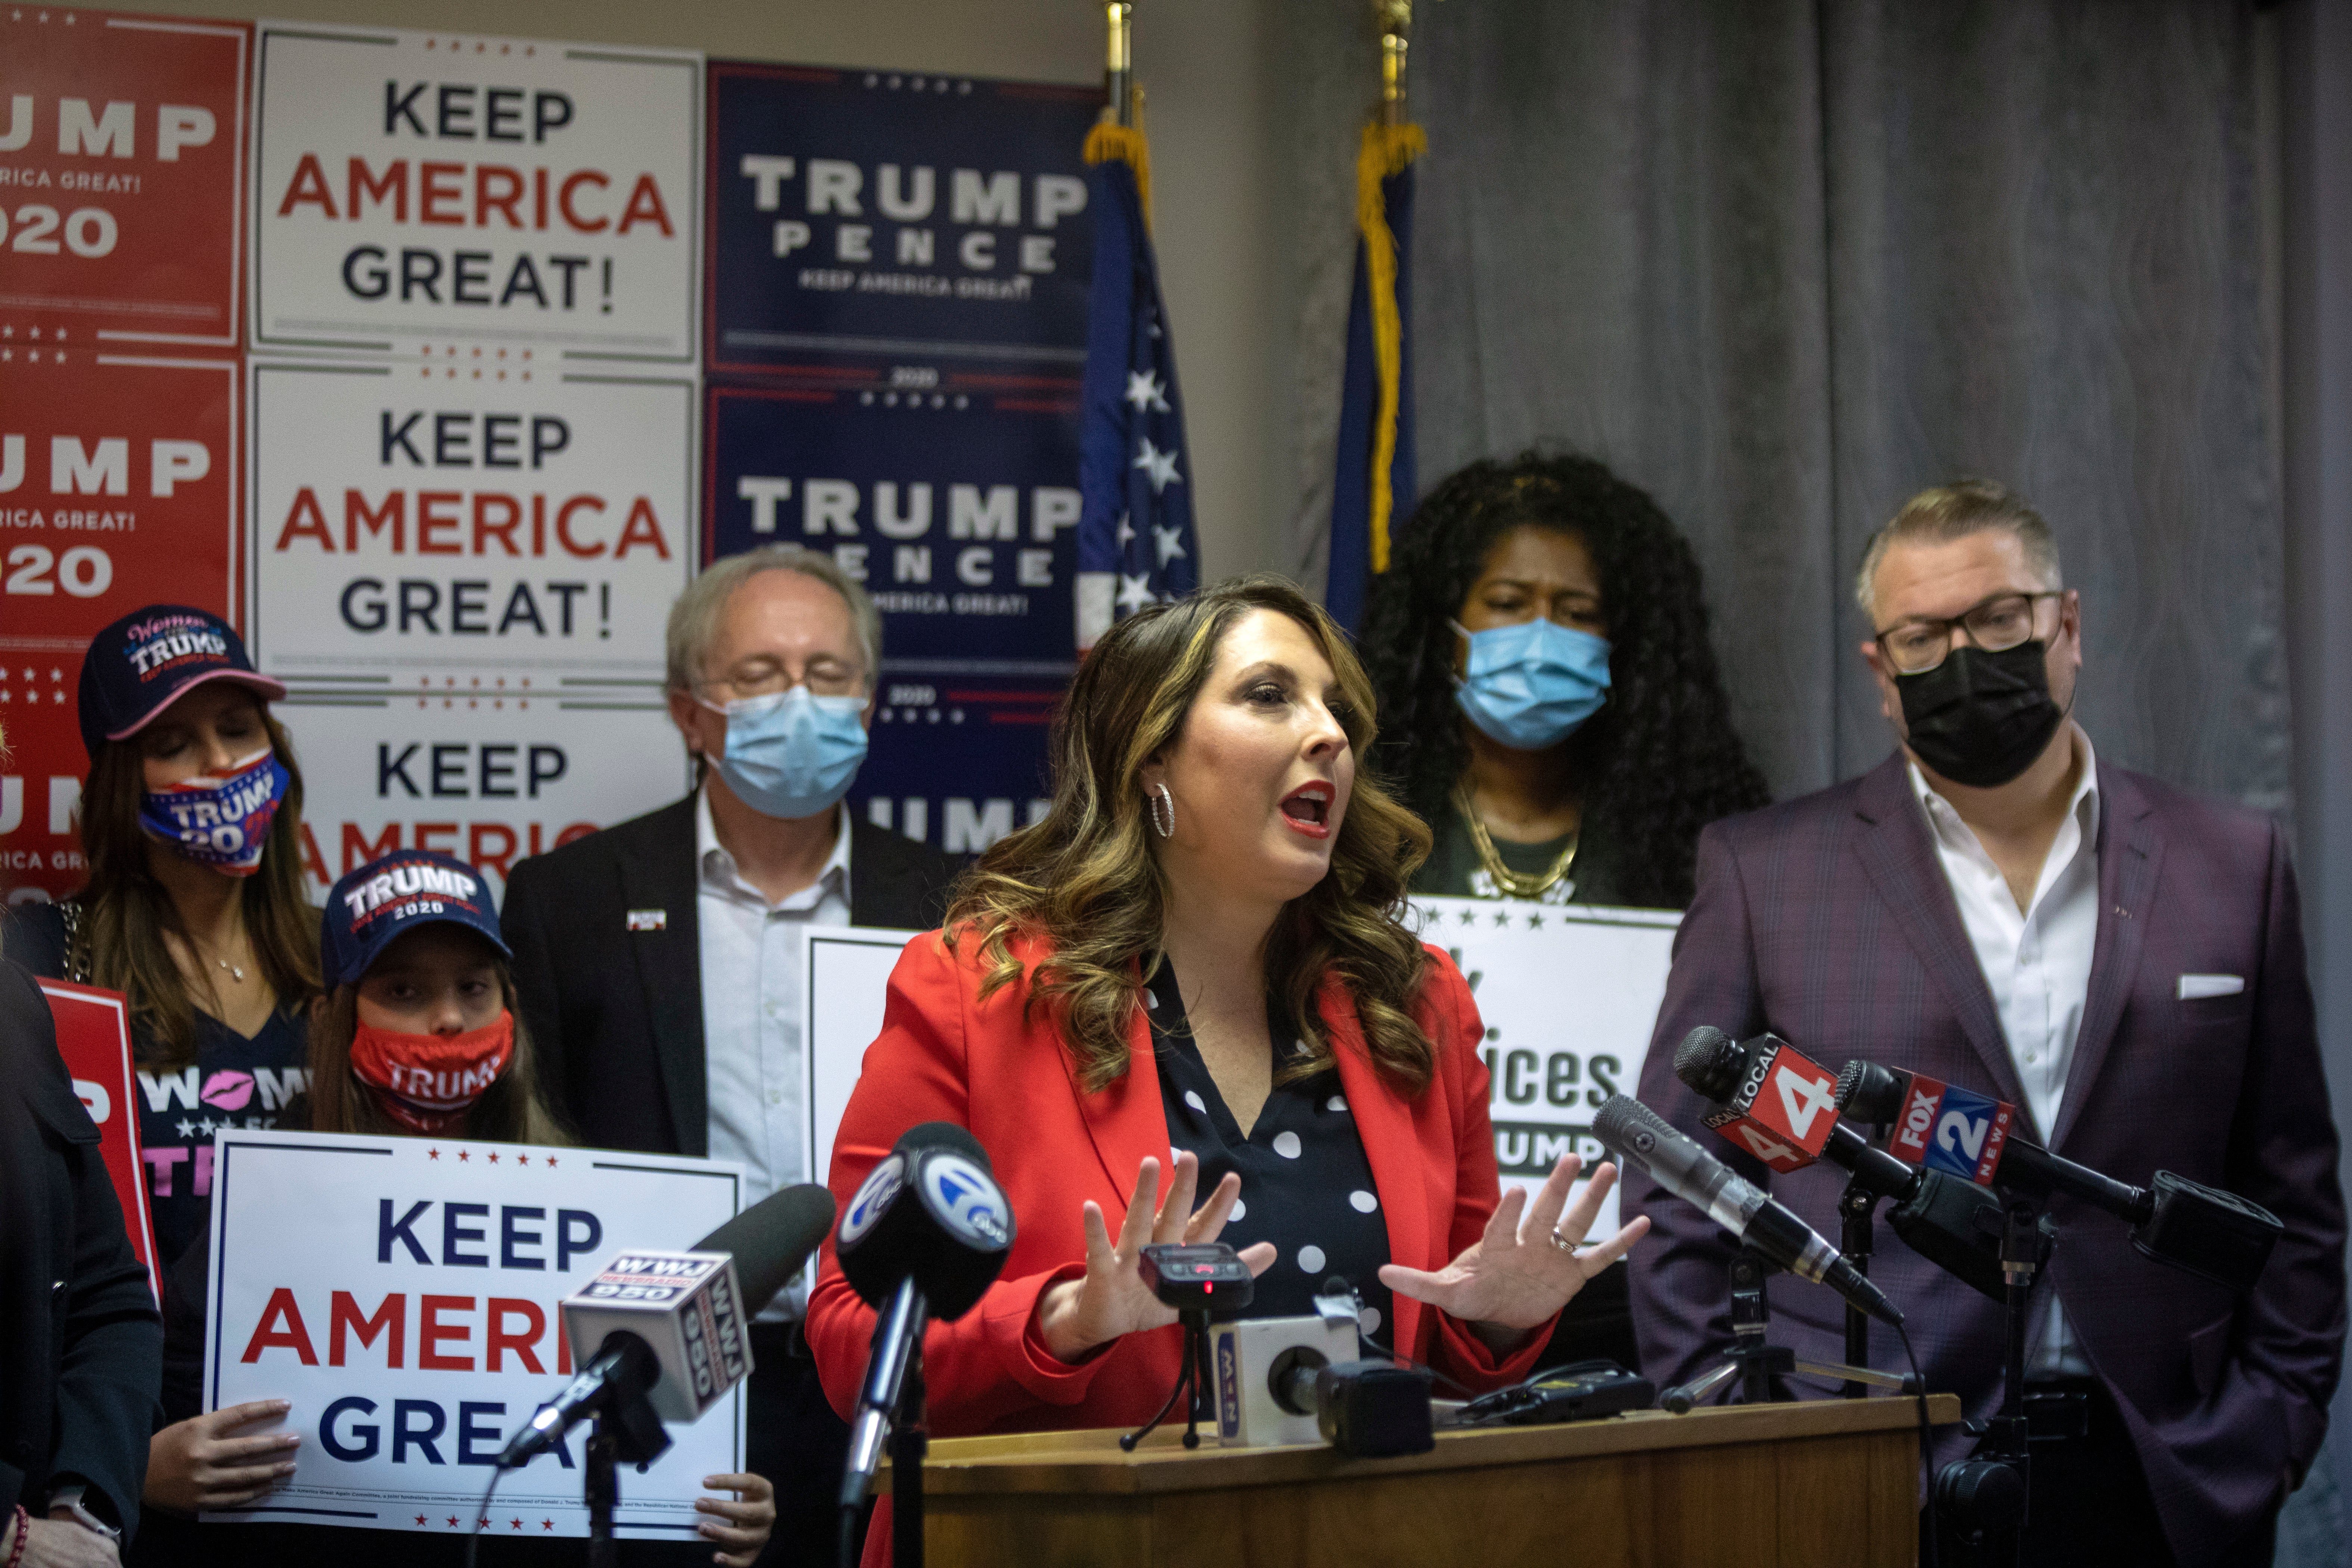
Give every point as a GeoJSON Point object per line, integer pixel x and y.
{"type": "Point", "coordinates": [944, 1055]}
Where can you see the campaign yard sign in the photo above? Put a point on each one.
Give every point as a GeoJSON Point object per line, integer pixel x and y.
{"type": "Point", "coordinates": [122, 162]}
{"type": "Point", "coordinates": [94, 1038]}
{"type": "Point", "coordinates": [416, 187]}
{"type": "Point", "coordinates": [1569, 995]}
{"type": "Point", "coordinates": [407, 1308]}
{"type": "Point", "coordinates": [119, 488]}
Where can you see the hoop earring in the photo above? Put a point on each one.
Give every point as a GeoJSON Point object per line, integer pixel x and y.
{"type": "Point", "coordinates": [1162, 806]}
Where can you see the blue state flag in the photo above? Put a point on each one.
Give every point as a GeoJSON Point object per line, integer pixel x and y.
{"type": "Point", "coordinates": [1135, 545]}
{"type": "Point", "coordinates": [1375, 483]}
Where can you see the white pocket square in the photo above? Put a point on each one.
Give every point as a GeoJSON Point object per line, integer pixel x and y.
{"type": "Point", "coordinates": [2195, 985]}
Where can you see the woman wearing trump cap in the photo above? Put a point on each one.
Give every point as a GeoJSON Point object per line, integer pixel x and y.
{"type": "Point", "coordinates": [1193, 977]}
{"type": "Point", "coordinates": [195, 907]}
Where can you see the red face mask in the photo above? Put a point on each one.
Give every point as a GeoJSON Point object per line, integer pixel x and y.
{"type": "Point", "coordinates": [426, 1082]}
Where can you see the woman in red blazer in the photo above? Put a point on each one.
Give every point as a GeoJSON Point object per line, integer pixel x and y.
{"type": "Point", "coordinates": [1210, 853]}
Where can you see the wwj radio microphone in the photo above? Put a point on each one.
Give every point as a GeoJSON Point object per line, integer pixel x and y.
{"type": "Point", "coordinates": [667, 1328]}
{"type": "Point", "coordinates": [1646, 1139]}
{"type": "Point", "coordinates": [924, 1237]}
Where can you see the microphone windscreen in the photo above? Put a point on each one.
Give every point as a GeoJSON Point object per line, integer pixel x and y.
{"type": "Point", "coordinates": [770, 1240]}
{"type": "Point", "coordinates": [1631, 1128]}
{"type": "Point", "coordinates": [1711, 1062]}
{"type": "Point", "coordinates": [944, 1135]}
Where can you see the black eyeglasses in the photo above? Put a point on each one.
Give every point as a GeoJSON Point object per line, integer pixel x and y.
{"type": "Point", "coordinates": [1994, 625]}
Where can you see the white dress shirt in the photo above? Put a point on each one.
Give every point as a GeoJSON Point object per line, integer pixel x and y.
{"type": "Point", "coordinates": [2037, 964]}
{"type": "Point", "coordinates": [752, 1015]}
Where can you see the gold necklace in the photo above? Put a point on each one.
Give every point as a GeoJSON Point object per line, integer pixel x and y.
{"type": "Point", "coordinates": [1508, 883]}
{"type": "Point", "coordinates": [235, 971]}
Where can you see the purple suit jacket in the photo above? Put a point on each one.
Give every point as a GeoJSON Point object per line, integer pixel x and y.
{"type": "Point", "coordinates": [1828, 921]}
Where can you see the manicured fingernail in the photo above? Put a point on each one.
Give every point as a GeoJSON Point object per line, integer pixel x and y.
{"type": "Point", "coordinates": [286, 1469]}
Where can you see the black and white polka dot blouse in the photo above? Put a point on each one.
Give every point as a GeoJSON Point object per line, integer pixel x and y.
{"type": "Point", "coordinates": [1307, 1186]}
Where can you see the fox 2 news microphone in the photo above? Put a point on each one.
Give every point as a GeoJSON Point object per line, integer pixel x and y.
{"type": "Point", "coordinates": [1938, 1127]}
{"type": "Point", "coordinates": [668, 1330]}
{"type": "Point", "coordinates": [1691, 1174]}
{"type": "Point", "coordinates": [925, 1236]}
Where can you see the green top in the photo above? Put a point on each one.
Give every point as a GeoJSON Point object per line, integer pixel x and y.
{"type": "Point", "coordinates": [1454, 870]}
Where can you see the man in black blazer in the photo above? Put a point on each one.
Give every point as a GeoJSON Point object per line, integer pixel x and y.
{"type": "Point", "coordinates": [81, 1348]}
{"type": "Point", "coordinates": [658, 962]}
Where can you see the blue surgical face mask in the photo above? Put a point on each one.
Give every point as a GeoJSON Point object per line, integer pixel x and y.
{"type": "Point", "coordinates": [1528, 686]}
{"type": "Point", "coordinates": [792, 754]}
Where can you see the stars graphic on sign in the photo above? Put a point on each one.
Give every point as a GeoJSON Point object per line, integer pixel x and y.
{"type": "Point", "coordinates": [494, 1157]}
{"type": "Point", "coordinates": [1161, 467]}
{"type": "Point", "coordinates": [433, 1154]}
{"type": "Point", "coordinates": [1145, 390]}
{"type": "Point", "coordinates": [420, 1519]}
{"type": "Point", "coordinates": [453, 1521]}
{"type": "Point", "coordinates": [1502, 920]}
{"type": "Point", "coordinates": [463, 1155]}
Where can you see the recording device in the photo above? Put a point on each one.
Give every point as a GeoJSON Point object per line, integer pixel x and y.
{"type": "Point", "coordinates": [1938, 1127]}
{"type": "Point", "coordinates": [1582, 1391]}
{"type": "Point", "coordinates": [1641, 1135]}
{"type": "Point", "coordinates": [1768, 1095]}
{"type": "Point", "coordinates": [1266, 1371]}
{"type": "Point", "coordinates": [668, 1328]}
{"type": "Point", "coordinates": [1366, 1409]}
{"type": "Point", "coordinates": [1210, 1279]}
{"type": "Point", "coordinates": [925, 1236]}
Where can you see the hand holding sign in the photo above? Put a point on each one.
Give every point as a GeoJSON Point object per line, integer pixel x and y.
{"type": "Point", "coordinates": [196, 1464]}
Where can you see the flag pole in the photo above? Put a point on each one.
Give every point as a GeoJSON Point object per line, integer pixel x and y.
{"type": "Point", "coordinates": [1119, 69]}
{"type": "Point", "coordinates": [1394, 18]}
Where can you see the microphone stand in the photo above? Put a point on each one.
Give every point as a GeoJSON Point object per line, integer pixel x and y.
{"type": "Point", "coordinates": [1752, 1358]}
{"type": "Point", "coordinates": [625, 1428]}
{"type": "Point", "coordinates": [908, 1443]}
{"type": "Point", "coordinates": [1856, 1207]}
{"type": "Point", "coordinates": [1986, 1495]}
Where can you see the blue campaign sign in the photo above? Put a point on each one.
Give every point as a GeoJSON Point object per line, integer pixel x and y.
{"type": "Point", "coordinates": [886, 219]}
{"type": "Point", "coordinates": [957, 510]}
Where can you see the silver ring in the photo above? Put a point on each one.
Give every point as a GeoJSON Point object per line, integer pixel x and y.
{"type": "Point", "coordinates": [1563, 1243]}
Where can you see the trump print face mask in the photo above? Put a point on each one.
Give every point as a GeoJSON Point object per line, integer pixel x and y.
{"type": "Point", "coordinates": [220, 820]}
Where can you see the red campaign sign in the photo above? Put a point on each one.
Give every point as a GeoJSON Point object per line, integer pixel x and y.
{"type": "Point", "coordinates": [119, 488]}
{"type": "Point", "coordinates": [94, 1038]}
{"type": "Point", "coordinates": [122, 158]}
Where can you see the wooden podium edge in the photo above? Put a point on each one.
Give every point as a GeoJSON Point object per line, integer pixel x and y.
{"type": "Point", "coordinates": [1092, 1461]}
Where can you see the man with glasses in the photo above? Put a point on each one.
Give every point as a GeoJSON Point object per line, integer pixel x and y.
{"type": "Point", "coordinates": [659, 962]}
{"type": "Point", "coordinates": [1995, 908]}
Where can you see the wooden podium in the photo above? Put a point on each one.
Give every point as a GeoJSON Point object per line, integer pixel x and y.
{"type": "Point", "coordinates": [1814, 1485]}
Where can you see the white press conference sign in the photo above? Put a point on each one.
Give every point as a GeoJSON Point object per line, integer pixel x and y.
{"type": "Point", "coordinates": [406, 1306]}
{"type": "Point", "coordinates": [417, 187]}
{"type": "Point", "coordinates": [1568, 997]}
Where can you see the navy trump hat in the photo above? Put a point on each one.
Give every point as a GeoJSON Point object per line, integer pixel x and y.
{"type": "Point", "coordinates": [151, 658]}
{"type": "Point", "coordinates": [393, 894]}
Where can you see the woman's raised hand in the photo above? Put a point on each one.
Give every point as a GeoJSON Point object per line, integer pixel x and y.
{"type": "Point", "coordinates": [1076, 1316]}
{"type": "Point", "coordinates": [1516, 1276]}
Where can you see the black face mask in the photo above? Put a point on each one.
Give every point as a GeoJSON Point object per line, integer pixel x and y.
{"type": "Point", "coordinates": [1979, 718]}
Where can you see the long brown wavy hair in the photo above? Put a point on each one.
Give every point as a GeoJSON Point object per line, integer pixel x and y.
{"type": "Point", "coordinates": [126, 912]}
{"type": "Point", "coordinates": [1085, 879]}
{"type": "Point", "coordinates": [510, 1111]}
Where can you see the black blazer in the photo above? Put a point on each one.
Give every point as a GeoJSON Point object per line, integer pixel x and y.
{"type": "Point", "coordinates": [81, 1346]}
{"type": "Point", "coordinates": [614, 1014]}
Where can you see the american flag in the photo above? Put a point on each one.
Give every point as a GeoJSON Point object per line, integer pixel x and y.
{"type": "Point", "coordinates": [1135, 545]}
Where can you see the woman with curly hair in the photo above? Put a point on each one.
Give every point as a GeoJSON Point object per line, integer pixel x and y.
{"type": "Point", "coordinates": [1196, 966]}
{"type": "Point", "coordinates": [1549, 702]}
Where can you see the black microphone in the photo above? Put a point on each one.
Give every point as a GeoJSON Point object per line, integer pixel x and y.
{"type": "Point", "coordinates": [685, 1343]}
{"type": "Point", "coordinates": [1642, 1137]}
{"type": "Point", "coordinates": [2200, 1229]}
{"type": "Point", "coordinates": [924, 1237]}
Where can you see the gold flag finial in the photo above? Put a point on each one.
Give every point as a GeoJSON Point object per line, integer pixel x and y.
{"type": "Point", "coordinates": [1118, 67]}
{"type": "Point", "coordinates": [1394, 18]}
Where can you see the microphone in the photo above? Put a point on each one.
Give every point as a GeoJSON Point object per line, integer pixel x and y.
{"type": "Point", "coordinates": [668, 1327]}
{"type": "Point", "coordinates": [1691, 1174]}
{"type": "Point", "coordinates": [1938, 1127]}
{"type": "Point", "coordinates": [925, 1236]}
{"type": "Point", "coordinates": [1952, 1224]}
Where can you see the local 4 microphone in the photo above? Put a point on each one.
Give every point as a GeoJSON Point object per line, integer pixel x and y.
{"type": "Point", "coordinates": [923, 1238]}
{"type": "Point", "coordinates": [1952, 1224]}
{"type": "Point", "coordinates": [669, 1328]}
{"type": "Point", "coordinates": [1938, 1127]}
{"type": "Point", "coordinates": [1691, 1174]}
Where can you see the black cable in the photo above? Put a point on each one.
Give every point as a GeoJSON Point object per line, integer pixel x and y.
{"type": "Point", "coordinates": [846, 1555]}
{"type": "Point", "coordinates": [474, 1534]}
{"type": "Point", "coordinates": [1926, 1440]}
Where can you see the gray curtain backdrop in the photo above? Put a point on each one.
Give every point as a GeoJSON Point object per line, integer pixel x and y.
{"type": "Point", "coordinates": [1785, 262]}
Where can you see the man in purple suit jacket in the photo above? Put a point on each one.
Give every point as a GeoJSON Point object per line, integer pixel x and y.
{"type": "Point", "coordinates": [1995, 907]}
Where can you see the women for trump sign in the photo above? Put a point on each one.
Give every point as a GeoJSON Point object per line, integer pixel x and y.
{"type": "Point", "coordinates": [406, 1307]}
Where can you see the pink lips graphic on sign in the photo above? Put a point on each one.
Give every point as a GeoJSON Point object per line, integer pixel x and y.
{"type": "Point", "coordinates": [228, 1091]}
